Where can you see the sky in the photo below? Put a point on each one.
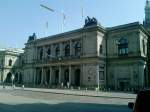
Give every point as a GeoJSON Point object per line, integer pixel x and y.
{"type": "Point", "coordinates": [21, 18]}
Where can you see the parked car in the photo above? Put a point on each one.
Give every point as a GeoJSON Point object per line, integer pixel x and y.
{"type": "Point", "coordinates": [142, 102]}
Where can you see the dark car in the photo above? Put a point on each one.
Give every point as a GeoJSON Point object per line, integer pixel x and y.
{"type": "Point", "coordinates": [142, 102]}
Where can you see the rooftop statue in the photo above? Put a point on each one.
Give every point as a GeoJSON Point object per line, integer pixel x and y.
{"type": "Point", "coordinates": [90, 21]}
{"type": "Point", "coordinates": [32, 37]}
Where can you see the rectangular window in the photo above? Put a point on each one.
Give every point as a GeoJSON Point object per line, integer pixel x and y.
{"type": "Point", "coordinates": [101, 72]}
{"type": "Point", "coordinates": [101, 75]}
{"type": "Point", "coordinates": [101, 49]}
{"type": "Point", "coordinates": [123, 47]}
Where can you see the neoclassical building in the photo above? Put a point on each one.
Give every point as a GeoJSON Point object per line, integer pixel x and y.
{"type": "Point", "coordinates": [11, 65]}
{"type": "Point", "coordinates": [92, 56]}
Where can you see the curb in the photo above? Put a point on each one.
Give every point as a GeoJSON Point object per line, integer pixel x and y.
{"type": "Point", "coordinates": [74, 94]}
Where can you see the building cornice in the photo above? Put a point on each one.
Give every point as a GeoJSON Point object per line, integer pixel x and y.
{"type": "Point", "coordinates": [126, 27]}
{"type": "Point", "coordinates": [70, 33]}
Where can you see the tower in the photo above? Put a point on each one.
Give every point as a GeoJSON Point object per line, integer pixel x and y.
{"type": "Point", "coordinates": [146, 22]}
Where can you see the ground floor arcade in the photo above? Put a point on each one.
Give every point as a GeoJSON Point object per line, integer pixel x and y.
{"type": "Point", "coordinates": [58, 75]}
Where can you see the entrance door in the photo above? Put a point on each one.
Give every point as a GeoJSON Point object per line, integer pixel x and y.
{"type": "Point", "coordinates": [66, 77]}
{"type": "Point", "coordinates": [123, 85]}
{"type": "Point", "coordinates": [8, 78]}
{"type": "Point", "coordinates": [39, 77]}
{"type": "Point", "coordinates": [77, 77]}
{"type": "Point", "coordinates": [47, 76]}
{"type": "Point", "coordinates": [16, 78]}
{"type": "Point", "coordinates": [56, 77]}
{"type": "Point", "coordinates": [20, 79]}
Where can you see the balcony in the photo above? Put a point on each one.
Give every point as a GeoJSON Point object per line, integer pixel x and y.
{"type": "Point", "coordinates": [56, 59]}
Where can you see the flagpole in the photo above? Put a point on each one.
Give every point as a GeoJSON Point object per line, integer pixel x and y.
{"type": "Point", "coordinates": [62, 21]}
{"type": "Point", "coordinates": [48, 9]}
{"type": "Point", "coordinates": [82, 13]}
{"type": "Point", "coordinates": [63, 16]}
{"type": "Point", "coordinates": [46, 29]}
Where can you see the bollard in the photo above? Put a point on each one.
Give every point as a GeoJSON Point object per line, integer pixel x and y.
{"type": "Point", "coordinates": [3, 86]}
{"type": "Point", "coordinates": [71, 87]}
{"type": "Point", "coordinates": [96, 89]}
{"type": "Point", "coordinates": [78, 88]}
{"type": "Point", "coordinates": [86, 89]}
{"type": "Point", "coordinates": [13, 86]}
{"type": "Point", "coordinates": [23, 87]}
{"type": "Point", "coordinates": [62, 85]}
{"type": "Point", "coordinates": [68, 84]}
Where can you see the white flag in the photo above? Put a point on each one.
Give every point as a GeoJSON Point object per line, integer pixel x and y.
{"type": "Point", "coordinates": [47, 24]}
{"type": "Point", "coordinates": [82, 12]}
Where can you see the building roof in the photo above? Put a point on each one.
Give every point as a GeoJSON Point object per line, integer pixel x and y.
{"type": "Point", "coordinates": [129, 26]}
{"type": "Point", "coordinates": [12, 50]}
{"type": "Point", "coordinates": [66, 34]}
{"type": "Point", "coordinates": [124, 27]}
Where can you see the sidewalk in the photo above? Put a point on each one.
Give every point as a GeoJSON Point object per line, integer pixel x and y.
{"type": "Point", "coordinates": [78, 92]}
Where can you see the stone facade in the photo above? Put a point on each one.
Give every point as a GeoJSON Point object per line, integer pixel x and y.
{"type": "Point", "coordinates": [70, 58]}
{"type": "Point", "coordinates": [91, 56]}
{"type": "Point", "coordinates": [11, 65]}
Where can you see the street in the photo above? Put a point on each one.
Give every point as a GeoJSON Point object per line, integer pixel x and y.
{"type": "Point", "coordinates": [28, 101]}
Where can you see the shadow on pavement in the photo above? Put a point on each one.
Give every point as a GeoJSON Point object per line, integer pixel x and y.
{"type": "Point", "coordinates": [63, 107]}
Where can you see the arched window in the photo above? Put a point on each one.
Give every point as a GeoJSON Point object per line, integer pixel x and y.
{"type": "Point", "coordinates": [10, 62]}
{"type": "Point", "coordinates": [41, 54]}
{"type": "Point", "coordinates": [143, 42]}
{"type": "Point", "coordinates": [57, 51]}
{"type": "Point", "coordinates": [123, 47]}
{"type": "Point", "coordinates": [48, 52]}
{"type": "Point", "coordinates": [67, 50]}
{"type": "Point", "coordinates": [78, 49]}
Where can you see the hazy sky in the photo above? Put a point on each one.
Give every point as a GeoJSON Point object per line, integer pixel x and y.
{"type": "Point", "coordinates": [21, 18]}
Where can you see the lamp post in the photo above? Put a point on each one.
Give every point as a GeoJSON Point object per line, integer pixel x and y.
{"type": "Point", "coordinates": [97, 70]}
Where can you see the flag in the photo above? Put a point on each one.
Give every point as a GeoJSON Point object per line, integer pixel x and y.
{"type": "Point", "coordinates": [82, 12]}
{"type": "Point", "coordinates": [63, 20]}
{"type": "Point", "coordinates": [63, 17]}
{"type": "Point", "coordinates": [47, 24]}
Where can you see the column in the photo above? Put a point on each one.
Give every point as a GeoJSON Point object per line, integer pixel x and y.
{"type": "Point", "coordinates": [82, 74]}
{"type": "Point", "coordinates": [52, 51]}
{"type": "Point", "coordinates": [34, 76]}
{"type": "Point", "coordinates": [35, 54]}
{"type": "Point", "coordinates": [70, 73]}
{"type": "Point", "coordinates": [70, 47]}
{"type": "Point", "coordinates": [50, 83]}
{"type": "Point", "coordinates": [115, 78]}
{"type": "Point", "coordinates": [44, 52]}
{"type": "Point", "coordinates": [42, 78]}
{"type": "Point", "coordinates": [60, 73]}
{"type": "Point", "coordinates": [141, 75]}
{"type": "Point", "coordinates": [97, 72]}
{"type": "Point", "coordinates": [61, 49]}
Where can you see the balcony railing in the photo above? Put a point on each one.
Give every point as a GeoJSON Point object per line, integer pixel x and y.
{"type": "Point", "coordinates": [60, 58]}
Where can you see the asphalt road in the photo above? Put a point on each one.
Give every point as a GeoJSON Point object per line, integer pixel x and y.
{"type": "Point", "coordinates": [27, 101]}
